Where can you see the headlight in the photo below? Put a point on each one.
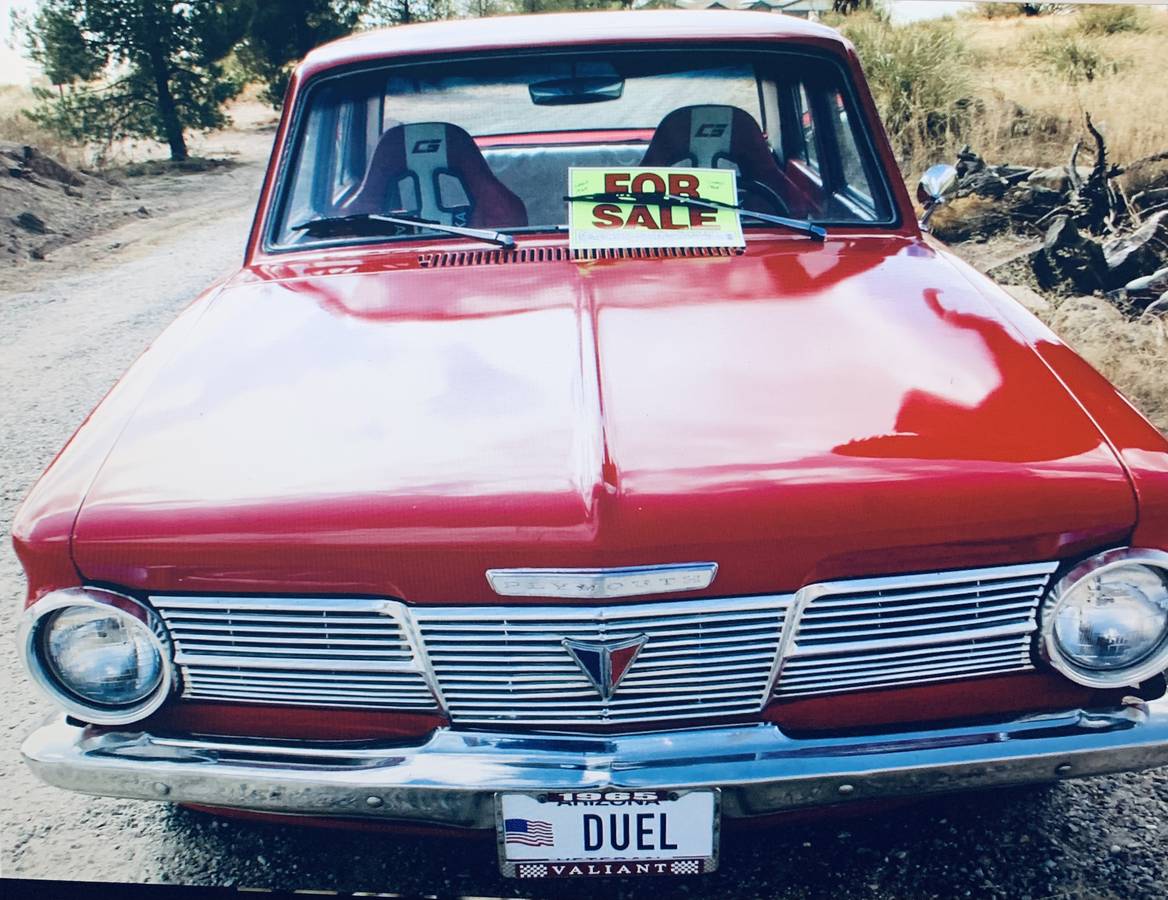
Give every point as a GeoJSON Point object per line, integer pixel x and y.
{"type": "Point", "coordinates": [1106, 623]}
{"type": "Point", "coordinates": [102, 656]}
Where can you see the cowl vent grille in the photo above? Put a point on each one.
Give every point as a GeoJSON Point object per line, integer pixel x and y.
{"type": "Point", "coordinates": [563, 254]}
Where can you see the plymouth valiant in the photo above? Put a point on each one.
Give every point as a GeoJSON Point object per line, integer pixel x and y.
{"type": "Point", "coordinates": [594, 446]}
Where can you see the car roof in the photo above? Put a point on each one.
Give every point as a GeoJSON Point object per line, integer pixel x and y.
{"type": "Point", "coordinates": [562, 29]}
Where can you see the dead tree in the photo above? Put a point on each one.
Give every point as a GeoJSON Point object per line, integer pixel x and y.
{"type": "Point", "coordinates": [1097, 203]}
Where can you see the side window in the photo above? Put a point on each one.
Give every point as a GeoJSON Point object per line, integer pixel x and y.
{"type": "Point", "coordinates": [349, 150]}
{"type": "Point", "coordinates": [809, 144]}
{"type": "Point", "coordinates": [768, 95]}
{"type": "Point", "coordinates": [855, 179]}
{"type": "Point", "coordinates": [828, 155]}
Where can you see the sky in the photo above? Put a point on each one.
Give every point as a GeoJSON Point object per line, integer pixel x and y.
{"type": "Point", "coordinates": [14, 69]}
{"type": "Point", "coordinates": [915, 10]}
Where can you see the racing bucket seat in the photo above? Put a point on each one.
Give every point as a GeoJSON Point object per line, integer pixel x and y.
{"type": "Point", "coordinates": [725, 137]}
{"type": "Point", "coordinates": [434, 170]}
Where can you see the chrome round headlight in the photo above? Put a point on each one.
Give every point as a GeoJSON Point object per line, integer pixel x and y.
{"type": "Point", "coordinates": [1106, 623]}
{"type": "Point", "coordinates": [104, 657]}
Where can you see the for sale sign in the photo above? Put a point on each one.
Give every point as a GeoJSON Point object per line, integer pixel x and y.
{"type": "Point", "coordinates": [649, 207]}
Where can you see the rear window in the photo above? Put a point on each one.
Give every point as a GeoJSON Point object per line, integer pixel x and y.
{"type": "Point", "coordinates": [492, 103]}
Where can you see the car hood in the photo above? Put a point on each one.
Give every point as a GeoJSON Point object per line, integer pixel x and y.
{"type": "Point", "coordinates": [796, 413]}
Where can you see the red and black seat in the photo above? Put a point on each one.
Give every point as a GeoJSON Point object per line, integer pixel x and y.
{"type": "Point", "coordinates": [434, 170]}
{"type": "Point", "coordinates": [725, 137]}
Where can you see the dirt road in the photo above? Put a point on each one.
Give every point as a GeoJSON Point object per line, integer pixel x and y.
{"type": "Point", "coordinates": [69, 328]}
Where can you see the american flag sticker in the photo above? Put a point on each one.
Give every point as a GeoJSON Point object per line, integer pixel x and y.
{"type": "Point", "coordinates": [529, 832]}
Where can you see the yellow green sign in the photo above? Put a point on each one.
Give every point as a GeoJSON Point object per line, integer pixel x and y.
{"type": "Point", "coordinates": [648, 207]}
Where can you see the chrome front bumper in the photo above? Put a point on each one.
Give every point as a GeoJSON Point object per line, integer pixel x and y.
{"type": "Point", "coordinates": [452, 777]}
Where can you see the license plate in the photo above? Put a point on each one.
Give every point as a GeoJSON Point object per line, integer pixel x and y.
{"type": "Point", "coordinates": [573, 834]}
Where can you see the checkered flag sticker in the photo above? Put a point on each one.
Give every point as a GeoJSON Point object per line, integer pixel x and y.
{"type": "Point", "coordinates": [532, 870]}
{"type": "Point", "coordinates": [686, 867]}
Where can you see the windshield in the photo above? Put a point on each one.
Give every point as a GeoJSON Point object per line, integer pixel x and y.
{"type": "Point", "coordinates": [487, 143]}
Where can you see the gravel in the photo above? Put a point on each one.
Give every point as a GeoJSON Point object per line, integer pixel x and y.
{"type": "Point", "coordinates": [70, 327]}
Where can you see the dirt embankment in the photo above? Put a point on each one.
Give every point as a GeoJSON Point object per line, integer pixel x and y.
{"type": "Point", "coordinates": [45, 204]}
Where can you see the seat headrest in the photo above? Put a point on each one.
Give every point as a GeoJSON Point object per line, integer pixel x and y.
{"type": "Point", "coordinates": [436, 171]}
{"type": "Point", "coordinates": [706, 137]}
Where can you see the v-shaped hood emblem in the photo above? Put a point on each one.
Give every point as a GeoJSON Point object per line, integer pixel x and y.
{"type": "Point", "coordinates": [605, 664]}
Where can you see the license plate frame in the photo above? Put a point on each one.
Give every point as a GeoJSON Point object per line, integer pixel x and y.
{"type": "Point", "coordinates": [682, 865]}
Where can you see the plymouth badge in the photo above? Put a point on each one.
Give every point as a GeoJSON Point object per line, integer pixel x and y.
{"type": "Point", "coordinates": [602, 584]}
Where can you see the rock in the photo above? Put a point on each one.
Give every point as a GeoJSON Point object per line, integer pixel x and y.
{"type": "Point", "coordinates": [1053, 179]}
{"type": "Point", "coordinates": [1068, 262]}
{"type": "Point", "coordinates": [32, 222]}
{"type": "Point", "coordinates": [976, 177]}
{"type": "Point", "coordinates": [969, 218]}
{"type": "Point", "coordinates": [1158, 308]}
{"type": "Point", "coordinates": [1056, 178]}
{"type": "Point", "coordinates": [1140, 292]}
{"type": "Point", "coordinates": [142, 212]}
{"type": "Point", "coordinates": [1149, 199]}
{"type": "Point", "coordinates": [1144, 250]}
{"type": "Point", "coordinates": [1028, 297]}
{"type": "Point", "coordinates": [987, 184]}
{"type": "Point", "coordinates": [1157, 281]}
{"type": "Point", "coordinates": [47, 167]}
{"type": "Point", "coordinates": [1029, 202]}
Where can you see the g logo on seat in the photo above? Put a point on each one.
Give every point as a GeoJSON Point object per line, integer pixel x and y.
{"type": "Point", "coordinates": [711, 129]}
{"type": "Point", "coordinates": [428, 146]}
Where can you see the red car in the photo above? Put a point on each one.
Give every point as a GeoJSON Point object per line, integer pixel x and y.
{"type": "Point", "coordinates": [452, 509]}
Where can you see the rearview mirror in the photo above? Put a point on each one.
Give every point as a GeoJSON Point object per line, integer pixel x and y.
{"type": "Point", "coordinates": [937, 185]}
{"type": "Point", "coordinates": [583, 89]}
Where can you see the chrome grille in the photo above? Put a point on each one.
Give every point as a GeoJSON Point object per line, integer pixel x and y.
{"type": "Point", "coordinates": [701, 658]}
{"type": "Point", "coordinates": [854, 635]}
{"type": "Point", "coordinates": [304, 651]}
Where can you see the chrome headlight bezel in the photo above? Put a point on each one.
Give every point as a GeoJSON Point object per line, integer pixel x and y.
{"type": "Point", "coordinates": [1148, 666]}
{"type": "Point", "coordinates": [30, 638]}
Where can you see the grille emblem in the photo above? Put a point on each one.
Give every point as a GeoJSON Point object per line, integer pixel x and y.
{"type": "Point", "coordinates": [605, 664]}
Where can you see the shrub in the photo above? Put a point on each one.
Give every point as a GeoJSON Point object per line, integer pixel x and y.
{"type": "Point", "coordinates": [18, 128]}
{"type": "Point", "coordinates": [997, 10]}
{"type": "Point", "coordinates": [1074, 58]}
{"type": "Point", "coordinates": [1014, 10]}
{"type": "Point", "coordinates": [1104, 20]}
{"type": "Point", "coordinates": [919, 79]}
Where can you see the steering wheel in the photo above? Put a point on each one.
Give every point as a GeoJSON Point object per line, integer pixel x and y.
{"type": "Point", "coordinates": [751, 185]}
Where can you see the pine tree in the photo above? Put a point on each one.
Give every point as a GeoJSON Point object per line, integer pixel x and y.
{"type": "Point", "coordinates": [281, 32]}
{"type": "Point", "coordinates": [407, 12]}
{"type": "Point", "coordinates": [134, 68]}
{"type": "Point", "coordinates": [846, 7]}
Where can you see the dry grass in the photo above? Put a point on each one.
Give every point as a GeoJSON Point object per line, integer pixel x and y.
{"type": "Point", "coordinates": [1023, 84]}
{"type": "Point", "coordinates": [1112, 19]}
{"type": "Point", "coordinates": [1132, 354]}
{"type": "Point", "coordinates": [1016, 87]}
{"type": "Point", "coordinates": [16, 127]}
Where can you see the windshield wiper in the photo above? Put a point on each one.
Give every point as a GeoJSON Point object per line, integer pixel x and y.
{"type": "Point", "coordinates": [374, 224]}
{"type": "Point", "coordinates": [681, 200]}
